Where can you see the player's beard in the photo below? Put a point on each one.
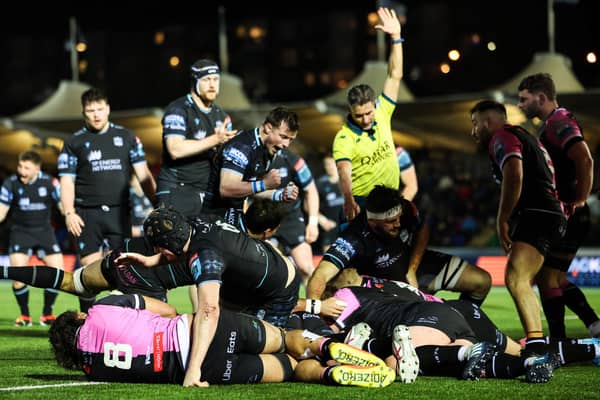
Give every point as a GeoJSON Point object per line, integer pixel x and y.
{"type": "Point", "coordinates": [383, 234]}
{"type": "Point", "coordinates": [484, 141]}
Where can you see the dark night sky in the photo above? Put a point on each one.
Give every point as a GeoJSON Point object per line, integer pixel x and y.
{"type": "Point", "coordinates": [330, 41]}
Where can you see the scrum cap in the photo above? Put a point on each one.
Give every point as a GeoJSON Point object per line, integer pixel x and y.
{"type": "Point", "coordinates": [204, 67]}
{"type": "Point", "coordinates": [167, 228]}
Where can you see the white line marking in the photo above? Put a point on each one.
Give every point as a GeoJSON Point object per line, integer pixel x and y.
{"type": "Point", "coordinates": [8, 389]}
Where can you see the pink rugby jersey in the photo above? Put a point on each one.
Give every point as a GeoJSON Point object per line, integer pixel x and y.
{"type": "Point", "coordinates": [122, 344]}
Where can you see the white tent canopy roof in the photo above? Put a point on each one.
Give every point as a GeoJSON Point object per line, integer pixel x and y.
{"type": "Point", "coordinates": [231, 95]}
{"type": "Point", "coordinates": [557, 65]}
{"type": "Point", "coordinates": [65, 103]}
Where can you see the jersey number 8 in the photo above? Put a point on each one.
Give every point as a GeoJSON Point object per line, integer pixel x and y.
{"type": "Point", "coordinates": [117, 355]}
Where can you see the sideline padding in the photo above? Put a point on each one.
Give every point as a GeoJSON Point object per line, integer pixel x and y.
{"type": "Point", "coordinates": [584, 270]}
{"type": "Point", "coordinates": [68, 261]}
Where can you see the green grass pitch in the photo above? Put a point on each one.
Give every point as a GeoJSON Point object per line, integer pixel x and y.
{"type": "Point", "coordinates": [28, 371]}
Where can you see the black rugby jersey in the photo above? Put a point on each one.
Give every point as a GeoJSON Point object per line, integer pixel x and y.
{"type": "Point", "coordinates": [377, 307]}
{"type": "Point", "coordinates": [31, 203]}
{"type": "Point", "coordinates": [101, 165]}
{"type": "Point", "coordinates": [183, 118]}
{"type": "Point", "coordinates": [331, 200]}
{"type": "Point", "coordinates": [250, 269]}
{"type": "Point", "coordinates": [372, 254]}
{"type": "Point", "coordinates": [244, 155]}
{"type": "Point", "coordinates": [558, 133]}
{"type": "Point", "coordinates": [538, 188]}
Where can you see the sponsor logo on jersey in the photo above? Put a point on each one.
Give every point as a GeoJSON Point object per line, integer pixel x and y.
{"type": "Point", "coordinates": [127, 275]}
{"type": "Point", "coordinates": [344, 248]}
{"type": "Point", "coordinates": [227, 372]}
{"type": "Point", "coordinates": [113, 164]}
{"type": "Point", "coordinates": [283, 172]}
{"type": "Point", "coordinates": [118, 141]}
{"type": "Point", "coordinates": [231, 344]}
{"type": "Point", "coordinates": [42, 191]}
{"type": "Point", "coordinates": [304, 174]}
{"type": "Point", "coordinates": [212, 266]}
{"type": "Point", "coordinates": [385, 260]}
{"type": "Point", "coordinates": [174, 122]}
{"type": "Point", "coordinates": [236, 156]}
{"type": "Point", "coordinates": [157, 350]}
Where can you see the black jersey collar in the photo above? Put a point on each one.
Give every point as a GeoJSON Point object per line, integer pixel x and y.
{"type": "Point", "coordinates": [357, 129]}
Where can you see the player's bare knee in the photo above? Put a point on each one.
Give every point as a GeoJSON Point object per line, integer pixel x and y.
{"type": "Point", "coordinates": [483, 281]}
{"type": "Point", "coordinates": [67, 284]}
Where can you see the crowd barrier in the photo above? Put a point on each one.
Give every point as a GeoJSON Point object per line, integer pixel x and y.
{"type": "Point", "coordinates": [68, 261]}
{"type": "Point", "coordinates": [584, 270]}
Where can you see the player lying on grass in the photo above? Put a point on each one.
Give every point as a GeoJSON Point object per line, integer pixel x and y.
{"type": "Point", "coordinates": [569, 350]}
{"type": "Point", "coordinates": [150, 348]}
{"type": "Point", "coordinates": [433, 324]}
